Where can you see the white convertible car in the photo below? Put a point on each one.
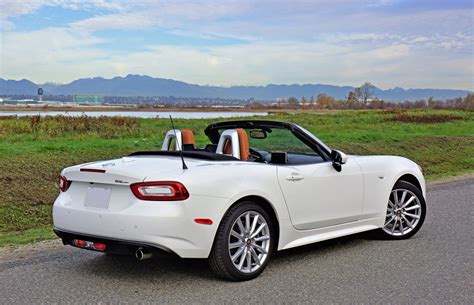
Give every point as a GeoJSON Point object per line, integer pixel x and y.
{"type": "Point", "coordinates": [257, 187]}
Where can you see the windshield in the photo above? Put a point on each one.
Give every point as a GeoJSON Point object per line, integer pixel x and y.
{"type": "Point", "coordinates": [267, 143]}
{"type": "Point", "coordinates": [315, 138]}
{"type": "Point", "coordinates": [278, 140]}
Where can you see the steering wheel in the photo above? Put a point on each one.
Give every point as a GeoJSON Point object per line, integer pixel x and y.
{"type": "Point", "coordinates": [256, 155]}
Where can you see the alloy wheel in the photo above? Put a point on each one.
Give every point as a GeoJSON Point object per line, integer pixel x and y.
{"type": "Point", "coordinates": [249, 242]}
{"type": "Point", "coordinates": [404, 211]}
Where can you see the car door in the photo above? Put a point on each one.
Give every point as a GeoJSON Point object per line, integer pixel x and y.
{"type": "Point", "coordinates": [318, 196]}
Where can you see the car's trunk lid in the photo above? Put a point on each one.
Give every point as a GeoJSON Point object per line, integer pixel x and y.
{"type": "Point", "coordinates": [124, 171]}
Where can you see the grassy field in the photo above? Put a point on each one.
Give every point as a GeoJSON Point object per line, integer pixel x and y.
{"type": "Point", "coordinates": [34, 150]}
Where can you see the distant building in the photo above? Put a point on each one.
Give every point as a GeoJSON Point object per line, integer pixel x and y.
{"type": "Point", "coordinates": [87, 99]}
{"type": "Point", "coordinates": [18, 102]}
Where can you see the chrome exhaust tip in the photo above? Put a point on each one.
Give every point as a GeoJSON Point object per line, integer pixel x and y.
{"type": "Point", "coordinates": [142, 254]}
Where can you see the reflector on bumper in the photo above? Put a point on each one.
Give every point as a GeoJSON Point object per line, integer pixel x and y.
{"type": "Point", "coordinates": [89, 245]}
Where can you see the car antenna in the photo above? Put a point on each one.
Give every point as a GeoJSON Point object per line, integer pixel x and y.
{"type": "Point", "coordinates": [177, 144]}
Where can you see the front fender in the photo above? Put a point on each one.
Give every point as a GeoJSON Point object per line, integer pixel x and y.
{"type": "Point", "coordinates": [380, 175]}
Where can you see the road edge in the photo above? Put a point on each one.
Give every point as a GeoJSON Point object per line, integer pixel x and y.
{"type": "Point", "coordinates": [447, 180]}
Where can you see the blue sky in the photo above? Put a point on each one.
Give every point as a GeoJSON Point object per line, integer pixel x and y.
{"type": "Point", "coordinates": [411, 44]}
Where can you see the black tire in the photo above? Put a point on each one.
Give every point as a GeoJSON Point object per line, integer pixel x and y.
{"type": "Point", "coordinates": [404, 185]}
{"type": "Point", "coordinates": [220, 260]}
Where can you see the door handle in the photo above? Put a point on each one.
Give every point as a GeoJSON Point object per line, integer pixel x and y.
{"type": "Point", "coordinates": [294, 177]}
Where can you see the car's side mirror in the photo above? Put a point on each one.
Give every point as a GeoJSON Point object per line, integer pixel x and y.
{"type": "Point", "coordinates": [338, 159]}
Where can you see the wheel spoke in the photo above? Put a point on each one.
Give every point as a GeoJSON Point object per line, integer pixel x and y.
{"type": "Point", "coordinates": [262, 238]}
{"type": "Point", "coordinates": [255, 256]}
{"type": "Point", "coordinates": [411, 215]}
{"type": "Point", "coordinates": [238, 253]}
{"type": "Point", "coordinates": [401, 226]}
{"type": "Point", "coordinates": [391, 219]}
{"type": "Point", "coordinates": [242, 259]}
{"type": "Point", "coordinates": [241, 226]}
{"type": "Point", "coordinates": [395, 198]}
{"type": "Point", "coordinates": [407, 221]}
{"type": "Point", "coordinates": [254, 224]}
{"type": "Point", "coordinates": [408, 201]}
{"type": "Point", "coordinates": [236, 245]}
{"type": "Point", "coordinates": [394, 225]}
{"type": "Point", "coordinates": [237, 235]}
{"type": "Point", "coordinates": [404, 194]}
{"type": "Point", "coordinates": [247, 223]}
{"type": "Point", "coordinates": [391, 204]}
{"type": "Point", "coordinates": [413, 207]}
{"type": "Point", "coordinates": [260, 228]}
{"type": "Point", "coordinates": [249, 260]}
{"type": "Point", "coordinates": [260, 249]}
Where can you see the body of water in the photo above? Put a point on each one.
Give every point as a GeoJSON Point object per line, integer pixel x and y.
{"type": "Point", "coordinates": [137, 114]}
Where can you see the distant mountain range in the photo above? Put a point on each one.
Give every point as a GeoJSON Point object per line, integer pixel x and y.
{"type": "Point", "coordinates": [141, 85]}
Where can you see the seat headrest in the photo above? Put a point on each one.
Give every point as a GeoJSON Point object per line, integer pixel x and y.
{"type": "Point", "coordinates": [187, 136]}
{"type": "Point", "coordinates": [243, 144]}
{"type": "Point", "coordinates": [234, 142]}
{"type": "Point", "coordinates": [183, 138]}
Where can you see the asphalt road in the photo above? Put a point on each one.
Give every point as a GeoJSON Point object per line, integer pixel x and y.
{"type": "Point", "coordinates": [435, 266]}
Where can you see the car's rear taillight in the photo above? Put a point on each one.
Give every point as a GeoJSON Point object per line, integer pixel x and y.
{"type": "Point", "coordinates": [160, 191]}
{"type": "Point", "coordinates": [63, 183]}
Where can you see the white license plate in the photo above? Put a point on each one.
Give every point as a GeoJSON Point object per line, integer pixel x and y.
{"type": "Point", "coordinates": [97, 197]}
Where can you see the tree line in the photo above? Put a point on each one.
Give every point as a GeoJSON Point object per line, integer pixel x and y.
{"type": "Point", "coordinates": [363, 98]}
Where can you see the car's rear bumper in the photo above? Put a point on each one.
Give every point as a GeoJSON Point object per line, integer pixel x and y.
{"type": "Point", "coordinates": [163, 225]}
{"type": "Point", "coordinates": [113, 245]}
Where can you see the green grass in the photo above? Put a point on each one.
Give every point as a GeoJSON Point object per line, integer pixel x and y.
{"type": "Point", "coordinates": [27, 236]}
{"type": "Point", "coordinates": [33, 152]}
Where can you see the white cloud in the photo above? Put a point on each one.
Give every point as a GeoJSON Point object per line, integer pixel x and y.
{"type": "Point", "coordinates": [335, 42]}
{"type": "Point", "coordinates": [9, 8]}
{"type": "Point", "coordinates": [13, 8]}
{"type": "Point", "coordinates": [64, 55]}
{"type": "Point", "coordinates": [48, 54]}
{"type": "Point", "coordinates": [166, 14]}
{"type": "Point", "coordinates": [88, 4]}
{"type": "Point", "coordinates": [114, 21]}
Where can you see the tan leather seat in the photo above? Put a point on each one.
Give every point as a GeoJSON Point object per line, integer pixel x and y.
{"type": "Point", "coordinates": [243, 145]}
{"type": "Point", "coordinates": [187, 137]}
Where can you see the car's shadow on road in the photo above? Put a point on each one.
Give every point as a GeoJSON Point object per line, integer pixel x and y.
{"type": "Point", "coordinates": [164, 267]}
